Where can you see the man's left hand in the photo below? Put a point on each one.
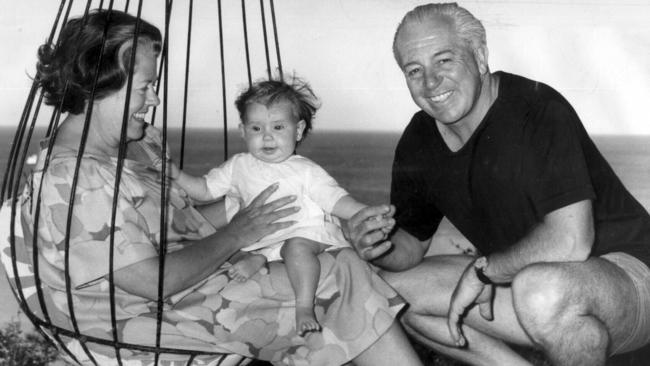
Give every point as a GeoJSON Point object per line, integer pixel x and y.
{"type": "Point", "coordinates": [368, 230]}
{"type": "Point", "coordinates": [469, 290]}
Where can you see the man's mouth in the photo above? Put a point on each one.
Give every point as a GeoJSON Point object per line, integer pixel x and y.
{"type": "Point", "coordinates": [440, 97]}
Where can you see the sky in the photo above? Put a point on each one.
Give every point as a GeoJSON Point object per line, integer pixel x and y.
{"type": "Point", "coordinates": [595, 52]}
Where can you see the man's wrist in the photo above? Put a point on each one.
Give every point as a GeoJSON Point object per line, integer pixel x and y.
{"type": "Point", "coordinates": [480, 264]}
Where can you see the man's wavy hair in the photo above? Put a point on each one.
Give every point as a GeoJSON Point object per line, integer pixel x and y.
{"type": "Point", "coordinates": [469, 29]}
{"type": "Point", "coordinates": [295, 91]}
{"type": "Point", "coordinates": [66, 71]}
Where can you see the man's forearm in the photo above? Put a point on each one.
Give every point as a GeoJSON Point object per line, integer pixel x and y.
{"type": "Point", "coordinates": [565, 235]}
{"type": "Point", "coordinates": [406, 252]}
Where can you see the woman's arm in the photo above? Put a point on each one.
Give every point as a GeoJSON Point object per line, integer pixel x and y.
{"type": "Point", "coordinates": [187, 266]}
{"type": "Point", "coordinates": [214, 212]}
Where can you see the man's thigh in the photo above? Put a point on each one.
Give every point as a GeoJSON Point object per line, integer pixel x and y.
{"type": "Point", "coordinates": [428, 288]}
{"type": "Point", "coordinates": [596, 287]}
{"type": "Point", "coordinates": [550, 295]}
{"type": "Point", "coordinates": [637, 334]}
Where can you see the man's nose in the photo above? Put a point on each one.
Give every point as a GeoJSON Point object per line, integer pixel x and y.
{"type": "Point", "coordinates": [432, 78]}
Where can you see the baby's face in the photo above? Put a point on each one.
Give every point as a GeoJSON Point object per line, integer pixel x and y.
{"type": "Point", "coordinates": [271, 132]}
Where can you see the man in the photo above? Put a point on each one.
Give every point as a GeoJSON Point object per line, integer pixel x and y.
{"type": "Point", "coordinates": [564, 248]}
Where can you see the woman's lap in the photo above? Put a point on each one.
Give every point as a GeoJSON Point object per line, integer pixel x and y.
{"type": "Point", "coordinates": [256, 318]}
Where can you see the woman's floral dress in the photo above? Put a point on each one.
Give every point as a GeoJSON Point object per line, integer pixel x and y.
{"type": "Point", "coordinates": [253, 318]}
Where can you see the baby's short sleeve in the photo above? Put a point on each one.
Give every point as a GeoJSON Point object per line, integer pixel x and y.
{"type": "Point", "coordinates": [322, 187]}
{"type": "Point", "coordinates": [219, 180]}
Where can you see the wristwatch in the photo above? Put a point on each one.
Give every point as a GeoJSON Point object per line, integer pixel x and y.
{"type": "Point", "coordinates": [480, 265]}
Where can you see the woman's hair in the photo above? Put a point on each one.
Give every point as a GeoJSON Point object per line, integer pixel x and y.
{"type": "Point", "coordinates": [467, 27]}
{"type": "Point", "coordinates": [66, 71]}
{"type": "Point", "coordinates": [296, 92]}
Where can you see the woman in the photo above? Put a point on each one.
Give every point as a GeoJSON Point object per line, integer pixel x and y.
{"type": "Point", "coordinates": [203, 309]}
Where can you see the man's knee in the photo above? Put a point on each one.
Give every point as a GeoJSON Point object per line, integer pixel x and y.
{"type": "Point", "coordinates": [541, 294]}
{"type": "Point", "coordinates": [550, 310]}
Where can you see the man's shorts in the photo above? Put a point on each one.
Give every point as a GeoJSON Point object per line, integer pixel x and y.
{"type": "Point", "coordinates": [640, 275]}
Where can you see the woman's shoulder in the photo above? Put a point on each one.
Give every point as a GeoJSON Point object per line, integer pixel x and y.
{"type": "Point", "coordinates": [63, 163]}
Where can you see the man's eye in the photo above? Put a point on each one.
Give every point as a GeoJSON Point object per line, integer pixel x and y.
{"type": "Point", "coordinates": [444, 61]}
{"type": "Point", "coordinates": [413, 72]}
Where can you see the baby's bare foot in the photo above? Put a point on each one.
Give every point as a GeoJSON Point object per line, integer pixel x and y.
{"type": "Point", "coordinates": [306, 320]}
{"type": "Point", "coordinates": [246, 267]}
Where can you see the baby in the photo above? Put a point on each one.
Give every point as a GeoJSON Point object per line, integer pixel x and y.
{"type": "Point", "coordinates": [276, 117]}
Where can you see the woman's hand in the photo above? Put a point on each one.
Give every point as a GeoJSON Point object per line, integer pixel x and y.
{"type": "Point", "coordinates": [193, 263]}
{"type": "Point", "coordinates": [368, 231]}
{"type": "Point", "coordinates": [259, 219]}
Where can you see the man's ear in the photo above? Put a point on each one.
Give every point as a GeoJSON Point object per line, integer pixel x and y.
{"type": "Point", "coordinates": [300, 129]}
{"type": "Point", "coordinates": [481, 57]}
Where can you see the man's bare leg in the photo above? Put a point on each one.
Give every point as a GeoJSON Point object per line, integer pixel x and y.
{"type": "Point", "coordinates": [572, 311]}
{"type": "Point", "coordinates": [481, 349]}
{"type": "Point", "coordinates": [426, 317]}
{"type": "Point", "coordinates": [303, 268]}
{"type": "Point", "coordinates": [577, 312]}
{"type": "Point", "coordinates": [392, 348]}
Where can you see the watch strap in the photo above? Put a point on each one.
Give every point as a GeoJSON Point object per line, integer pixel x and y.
{"type": "Point", "coordinates": [479, 266]}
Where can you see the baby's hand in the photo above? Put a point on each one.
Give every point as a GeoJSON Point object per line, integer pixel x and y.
{"type": "Point", "coordinates": [172, 170]}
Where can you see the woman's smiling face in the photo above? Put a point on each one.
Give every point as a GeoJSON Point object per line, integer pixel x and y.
{"type": "Point", "coordinates": [109, 111]}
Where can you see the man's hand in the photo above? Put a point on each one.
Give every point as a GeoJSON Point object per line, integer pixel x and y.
{"type": "Point", "coordinates": [367, 231]}
{"type": "Point", "coordinates": [469, 290]}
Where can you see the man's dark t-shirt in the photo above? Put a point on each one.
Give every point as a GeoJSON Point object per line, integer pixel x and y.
{"type": "Point", "coordinates": [529, 156]}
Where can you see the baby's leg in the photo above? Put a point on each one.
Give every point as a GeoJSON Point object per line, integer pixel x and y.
{"type": "Point", "coordinates": [245, 264]}
{"type": "Point", "coordinates": [303, 268]}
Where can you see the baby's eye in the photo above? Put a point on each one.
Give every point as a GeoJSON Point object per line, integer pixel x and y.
{"type": "Point", "coordinates": [255, 128]}
{"type": "Point", "coordinates": [278, 127]}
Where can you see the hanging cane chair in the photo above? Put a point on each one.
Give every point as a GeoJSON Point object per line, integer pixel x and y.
{"type": "Point", "coordinates": [18, 249]}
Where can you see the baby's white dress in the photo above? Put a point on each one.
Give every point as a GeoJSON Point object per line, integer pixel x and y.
{"type": "Point", "coordinates": [243, 177]}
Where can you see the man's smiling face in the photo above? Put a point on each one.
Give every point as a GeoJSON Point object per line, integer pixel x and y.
{"type": "Point", "coordinates": [442, 72]}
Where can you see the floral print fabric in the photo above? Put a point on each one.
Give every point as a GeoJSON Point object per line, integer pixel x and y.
{"type": "Point", "coordinates": [253, 318]}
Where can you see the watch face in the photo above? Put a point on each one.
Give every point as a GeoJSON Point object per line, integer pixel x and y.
{"type": "Point", "coordinates": [481, 262]}
{"type": "Point", "coordinates": [479, 266]}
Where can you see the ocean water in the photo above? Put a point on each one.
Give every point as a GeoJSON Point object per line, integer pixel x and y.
{"type": "Point", "coordinates": [361, 161]}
